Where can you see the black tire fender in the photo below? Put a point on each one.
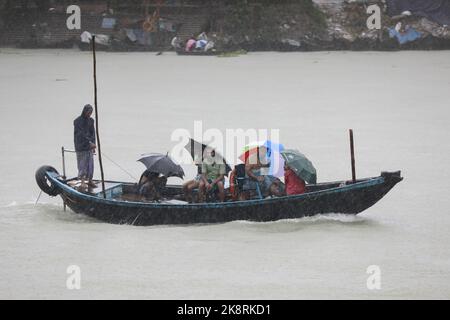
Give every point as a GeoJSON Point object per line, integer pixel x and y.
{"type": "Point", "coordinates": [44, 183]}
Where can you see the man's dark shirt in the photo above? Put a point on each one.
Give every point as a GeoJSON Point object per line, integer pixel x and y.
{"type": "Point", "coordinates": [84, 132]}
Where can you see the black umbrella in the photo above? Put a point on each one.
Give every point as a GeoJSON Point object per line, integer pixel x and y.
{"type": "Point", "coordinates": [160, 163]}
{"type": "Point", "coordinates": [197, 151]}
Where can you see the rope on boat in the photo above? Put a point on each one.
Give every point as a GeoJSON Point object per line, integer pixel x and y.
{"type": "Point", "coordinates": [115, 163]}
{"type": "Point", "coordinates": [119, 166]}
{"type": "Point", "coordinates": [39, 196]}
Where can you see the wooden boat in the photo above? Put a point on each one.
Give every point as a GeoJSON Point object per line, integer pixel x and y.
{"type": "Point", "coordinates": [119, 202]}
{"type": "Point", "coordinates": [183, 52]}
{"type": "Point", "coordinates": [121, 205]}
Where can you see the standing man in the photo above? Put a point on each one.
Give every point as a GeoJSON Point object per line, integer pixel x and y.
{"type": "Point", "coordinates": [84, 139]}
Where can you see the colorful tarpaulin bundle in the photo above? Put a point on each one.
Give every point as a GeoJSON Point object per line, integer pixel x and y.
{"type": "Point", "coordinates": [404, 37]}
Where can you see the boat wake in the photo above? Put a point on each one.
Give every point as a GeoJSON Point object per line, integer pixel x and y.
{"type": "Point", "coordinates": [50, 211]}
{"type": "Point", "coordinates": [53, 211]}
{"type": "Point", "coordinates": [322, 221]}
{"type": "Point", "coordinates": [12, 204]}
{"type": "Point", "coordinates": [332, 217]}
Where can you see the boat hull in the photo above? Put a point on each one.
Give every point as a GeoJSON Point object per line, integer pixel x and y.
{"type": "Point", "coordinates": [346, 199]}
{"type": "Point", "coordinates": [198, 53]}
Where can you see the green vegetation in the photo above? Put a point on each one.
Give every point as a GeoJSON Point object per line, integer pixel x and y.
{"type": "Point", "coordinates": [232, 54]}
{"type": "Point", "coordinates": [271, 20]}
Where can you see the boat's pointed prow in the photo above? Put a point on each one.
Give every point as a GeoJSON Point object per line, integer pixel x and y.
{"type": "Point", "coordinates": [394, 177]}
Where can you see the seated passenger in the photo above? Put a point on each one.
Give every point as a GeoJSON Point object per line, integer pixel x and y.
{"type": "Point", "coordinates": [190, 44]}
{"type": "Point", "coordinates": [202, 36]}
{"type": "Point", "coordinates": [176, 43]}
{"type": "Point", "coordinates": [273, 187]}
{"type": "Point", "coordinates": [213, 174]}
{"type": "Point", "coordinates": [209, 46]}
{"type": "Point", "coordinates": [294, 184]}
{"type": "Point", "coordinates": [237, 180]}
{"type": "Point", "coordinates": [151, 185]}
{"type": "Point", "coordinates": [192, 184]}
{"type": "Point", "coordinates": [264, 185]}
{"type": "Point", "coordinates": [200, 45]}
{"type": "Point", "coordinates": [252, 178]}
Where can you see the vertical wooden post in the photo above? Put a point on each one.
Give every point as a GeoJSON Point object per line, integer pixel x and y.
{"type": "Point", "coordinates": [64, 170]}
{"type": "Point", "coordinates": [63, 162]}
{"type": "Point", "coordinates": [352, 153]}
{"type": "Point", "coordinates": [96, 118]}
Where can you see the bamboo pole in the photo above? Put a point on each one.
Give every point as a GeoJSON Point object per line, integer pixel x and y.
{"type": "Point", "coordinates": [96, 118]}
{"type": "Point", "coordinates": [63, 151]}
{"type": "Point", "coordinates": [352, 154]}
{"type": "Point", "coordinates": [64, 170]}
